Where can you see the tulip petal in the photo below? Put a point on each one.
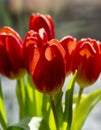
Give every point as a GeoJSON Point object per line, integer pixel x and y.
{"type": "Point", "coordinates": [14, 51]}
{"type": "Point", "coordinates": [38, 21]}
{"type": "Point", "coordinates": [87, 61]}
{"type": "Point", "coordinates": [87, 50]}
{"type": "Point", "coordinates": [5, 65]}
{"type": "Point", "coordinates": [31, 45]}
{"type": "Point", "coordinates": [11, 54]}
{"type": "Point", "coordinates": [49, 73]}
{"type": "Point", "coordinates": [69, 44]}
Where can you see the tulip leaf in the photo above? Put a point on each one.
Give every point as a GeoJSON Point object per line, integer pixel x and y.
{"type": "Point", "coordinates": [67, 115]}
{"type": "Point", "coordinates": [30, 104]}
{"type": "Point", "coordinates": [59, 106]}
{"type": "Point", "coordinates": [75, 98]}
{"type": "Point", "coordinates": [33, 99]}
{"type": "Point", "coordinates": [84, 108]}
{"type": "Point", "coordinates": [21, 95]}
{"type": "Point", "coordinates": [52, 124]}
{"type": "Point", "coordinates": [45, 107]}
{"type": "Point", "coordinates": [23, 124]}
{"type": "Point", "coordinates": [38, 101]}
{"type": "Point", "coordinates": [30, 97]}
{"type": "Point", "coordinates": [3, 119]}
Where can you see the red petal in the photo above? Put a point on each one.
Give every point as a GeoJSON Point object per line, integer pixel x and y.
{"type": "Point", "coordinates": [14, 51]}
{"type": "Point", "coordinates": [31, 43]}
{"type": "Point", "coordinates": [49, 72]}
{"type": "Point", "coordinates": [87, 61]}
{"type": "Point", "coordinates": [38, 21]}
{"type": "Point", "coordinates": [86, 49]}
{"type": "Point", "coordinates": [69, 44]}
{"type": "Point", "coordinates": [8, 30]}
{"type": "Point", "coordinates": [5, 65]}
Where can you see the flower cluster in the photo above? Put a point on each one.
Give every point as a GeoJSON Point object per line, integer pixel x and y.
{"type": "Point", "coordinates": [47, 59]}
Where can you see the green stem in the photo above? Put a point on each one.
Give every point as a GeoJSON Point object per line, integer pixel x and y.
{"type": "Point", "coordinates": [20, 93]}
{"type": "Point", "coordinates": [77, 104]}
{"type": "Point", "coordinates": [54, 112]}
{"type": "Point", "coordinates": [79, 96]}
{"type": "Point", "coordinates": [3, 118]}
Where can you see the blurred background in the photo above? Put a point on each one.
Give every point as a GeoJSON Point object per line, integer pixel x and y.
{"type": "Point", "coordinates": [71, 17]}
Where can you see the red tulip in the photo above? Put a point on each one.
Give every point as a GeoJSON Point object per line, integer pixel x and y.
{"type": "Point", "coordinates": [69, 43]}
{"type": "Point", "coordinates": [31, 40]}
{"type": "Point", "coordinates": [47, 65]}
{"type": "Point", "coordinates": [11, 52]}
{"type": "Point", "coordinates": [87, 61]}
{"type": "Point", "coordinates": [38, 21]}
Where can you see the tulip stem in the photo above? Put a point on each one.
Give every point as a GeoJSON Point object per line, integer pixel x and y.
{"type": "Point", "coordinates": [3, 118]}
{"type": "Point", "coordinates": [54, 112]}
{"type": "Point", "coordinates": [79, 96]}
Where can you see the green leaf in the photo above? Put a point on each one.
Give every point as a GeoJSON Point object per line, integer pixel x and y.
{"type": "Point", "coordinates": [38, 102]}
{"type": "Point", "coordinates": [51, 121]}
{"type": "Point", "coordinates": [67, 116]}
{"type": "Point", "coordinates": [45, 107]}
{"type": "Point", "coordinates": [47, 112]}
{"type": "Point", "coordinates": [38, 123]}
{"type": "Point", "coordinates": [30, 98]}
{"type": "Point", "coordinates": [59, 106]}
{"type": "Point", "coordinates": [23, 124]}
{"type": "Point", "coordinates": [21, 96]}
{"type": "Point", "coordinates": [3, 119]}
{"type": "Point", "coordinates": [75, 98]}
{"type": "Point", "coordinates": [84, 108]}
{"type": "Point", "coordinates": [33, 99]}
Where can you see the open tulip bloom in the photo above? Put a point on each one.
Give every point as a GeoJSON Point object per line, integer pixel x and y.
{"type": "Point", "coordinates": [40, 63]}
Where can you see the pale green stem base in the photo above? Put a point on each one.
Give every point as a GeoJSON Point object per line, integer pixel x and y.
{"type": "Point", "coordinates": [54, 112]}
{"type": "Point", "coordinates": [79, 97]}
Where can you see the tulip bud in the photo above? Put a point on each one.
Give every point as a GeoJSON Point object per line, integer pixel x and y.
{"type": "Point", "coordinates": [47, 66]}
{"type": "Point", "coordinates": [33, 40]}
{"type": "Point", "coordinates": [11, 53]}
{"type": "Point", "coordinates": [49, 72]}
{"type": "Point", "coordinates": [87, 61]}
{"type": "Point", "coordinates": [69, 44]}
{"type": "Point", "coordinates": [38, 21]}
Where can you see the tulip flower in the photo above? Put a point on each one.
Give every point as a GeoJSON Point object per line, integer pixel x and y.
{"type": "Point", "coordinates": [38, 21]}
{"type": "Point", "coordinates": [47, 65]}
{"type": "Point", "coordinates": [31, 40]}
{"type": "Point", "coordinates": [87, 61]}
{"type": "Point", "coordinates": [11, 53]}
{"type": "Point", "coordinates": [69, 44]}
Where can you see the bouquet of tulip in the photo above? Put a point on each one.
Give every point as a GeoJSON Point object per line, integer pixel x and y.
{"type": "Point", "coordinates": [40, 63]}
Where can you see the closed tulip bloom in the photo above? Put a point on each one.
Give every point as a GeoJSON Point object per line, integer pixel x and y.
{"type": "Point", "coordinates": [87, 61]}
{"type": "Point", "coordinates": [11, 53]}
{"type": "Point", "coordinates": [38, 21]}
{"type": "Point", "coordinates": [69, 44]}
{"type": "Point", "coordinates": [47, 67]}
{"type": "Point", "coordinates": [33, 40]}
